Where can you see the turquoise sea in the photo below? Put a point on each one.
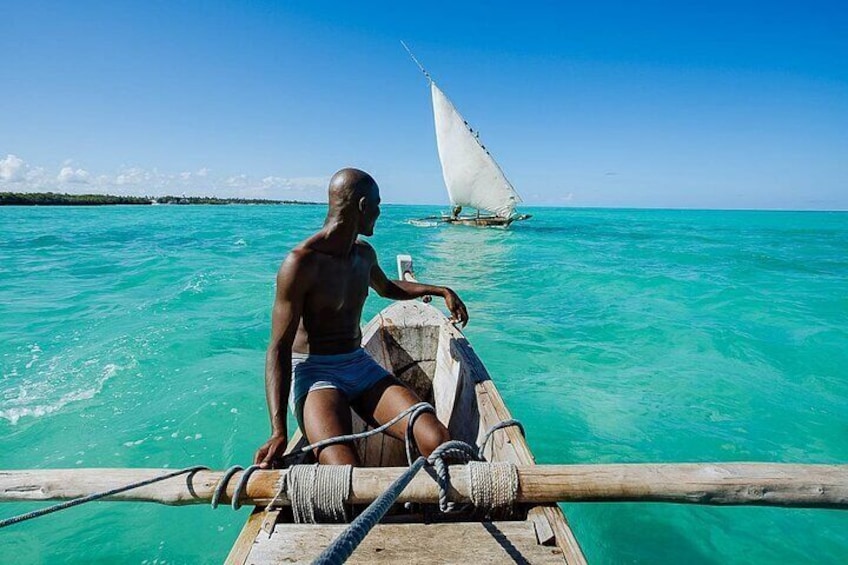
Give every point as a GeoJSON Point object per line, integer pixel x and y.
{"type": "Point", "coordinates": [135, 337]}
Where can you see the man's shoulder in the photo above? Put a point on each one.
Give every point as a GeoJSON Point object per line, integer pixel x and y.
{"type": "Point", "coordinates": [299, 254]}
{"type": "Point", "coordinates": [299, 261]}
{"type": "Point", "coordinates": [365, 248]}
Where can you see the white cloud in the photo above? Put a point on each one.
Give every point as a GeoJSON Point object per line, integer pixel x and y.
{"type": "Point", "coordinates": [13, 169]}
{"type": "Point", "coordinates": [71, 175]}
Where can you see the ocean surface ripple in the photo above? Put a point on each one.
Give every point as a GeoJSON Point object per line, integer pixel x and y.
{"type": "Point", "coordinates": [135, 337]}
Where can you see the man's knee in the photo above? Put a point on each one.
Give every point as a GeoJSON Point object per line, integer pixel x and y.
{"type": "Point", "coordinates": [429, 435]}
{"type": "Point", "coordinates": [341, 454]}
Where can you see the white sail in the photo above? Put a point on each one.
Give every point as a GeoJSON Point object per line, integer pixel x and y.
{"type": "Point", "coordinates": [471, 175]}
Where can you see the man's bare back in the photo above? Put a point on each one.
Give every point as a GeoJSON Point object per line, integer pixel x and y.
{"type": "Point", "coordinates": [321, 289]}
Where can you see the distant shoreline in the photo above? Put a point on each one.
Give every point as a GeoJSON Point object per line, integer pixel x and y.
{"type": "Point", "coordinates": [62, 199]}
{"type": "Point", "coordinates": [57, 199]}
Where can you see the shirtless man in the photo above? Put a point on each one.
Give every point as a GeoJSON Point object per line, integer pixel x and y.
{"type": "Point", "coordinates": [315, 335]}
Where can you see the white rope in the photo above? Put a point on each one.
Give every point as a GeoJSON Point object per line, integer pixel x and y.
{"type": "Point", "coordinates": [494, 486]}
{"type": "Point", "coordinates": [282, 488]}
{"type": "Point", "coordinates": [318, 492]}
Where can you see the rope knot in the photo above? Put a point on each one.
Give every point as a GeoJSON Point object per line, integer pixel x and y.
{"type": "Point", "coordinates": [457, 451]}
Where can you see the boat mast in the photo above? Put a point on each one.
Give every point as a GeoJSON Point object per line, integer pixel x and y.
{"type": "Point", "coordinates": [420, 66]}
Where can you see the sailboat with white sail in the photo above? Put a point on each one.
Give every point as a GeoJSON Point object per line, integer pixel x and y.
{"type": "Point", "coordinates": [472, 177]}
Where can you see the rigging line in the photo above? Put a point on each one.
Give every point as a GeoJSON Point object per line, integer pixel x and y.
{"type": "Point", "coordinates": [361, 435]}
{"type": "Point", "coordinates": [420, 66]}
{"type": "Point", "coordinates": [97, 496]}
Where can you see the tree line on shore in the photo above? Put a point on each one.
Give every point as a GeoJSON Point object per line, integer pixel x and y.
{"type": "Point", "coordinates": [57, 199]}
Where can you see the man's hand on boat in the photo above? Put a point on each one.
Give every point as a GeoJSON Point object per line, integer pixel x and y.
{"type": "Point", "coordinates": [459, 314]}
{"type": "Point", "coordinates": [271, 451]}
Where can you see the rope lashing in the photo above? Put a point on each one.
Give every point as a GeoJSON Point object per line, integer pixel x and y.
{"type": "Point", "coordinates": [241, 486]}
{"type": "Point", "coordinates": [496, 427]}
{"type": "Point", "coordinates": [97, 496]}
{"type": "Point", "coordinates": [221, 487]}
{"type": "Point", "coordinates": [455, 450]}
{"type": "Point", "coordinates": [318, 493]}
{"type": "Point", "coordinates": [344, 545]}
{"type": "Point", "coordinates": [494, 486]}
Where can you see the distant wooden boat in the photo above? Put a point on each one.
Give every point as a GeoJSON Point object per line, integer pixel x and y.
{"type": "Point", "coordinates": [420, 346]}
{"type": "Point", "coordinates": [484, 221]}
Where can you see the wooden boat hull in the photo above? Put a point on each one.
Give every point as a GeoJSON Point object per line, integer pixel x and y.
{"type": "Point", "coordinates": [485, 221]}
{"type": "Point", "coordinates": [421, 347]}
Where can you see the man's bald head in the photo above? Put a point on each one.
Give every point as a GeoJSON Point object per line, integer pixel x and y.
{"type": "Point", "coordinates": [349, 185]}
{"type": "Point", "coordinates": [354, 194]}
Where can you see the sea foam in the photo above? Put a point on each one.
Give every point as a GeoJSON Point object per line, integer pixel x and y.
{"type": "Point", "coordinates": [32, 399]}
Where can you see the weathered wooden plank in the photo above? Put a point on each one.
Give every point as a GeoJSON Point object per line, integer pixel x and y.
{"type": "Point", "coordinates": [468, 403]}
{"type": "Point", "coordinates": [542, 524]}
{"type": "Point", "coordinates": [244, 543]}
{"type": "Point", "coordinates": [467, 542]}
{"type": "Point", "coordinates": [563, 535]}
{"type": "Point", "coordinates": [445, 380]}
{"type": "Point", "coordinates": [456, 402]}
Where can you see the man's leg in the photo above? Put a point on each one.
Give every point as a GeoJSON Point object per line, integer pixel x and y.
{"type": "Point", "coordinates": [388, 398]}
{"type": "Point", "coordinates": [326, 414]}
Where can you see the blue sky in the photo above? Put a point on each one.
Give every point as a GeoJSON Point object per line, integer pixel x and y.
{"type": "Point", "coordinates": [652, 104]}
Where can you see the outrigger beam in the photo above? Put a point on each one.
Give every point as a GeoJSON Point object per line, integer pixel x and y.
{"type": "Point", "coordinates": [760, 484]}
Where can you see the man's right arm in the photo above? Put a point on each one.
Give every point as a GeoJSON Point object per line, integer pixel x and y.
{"type": "Point", "coordinates": [285, 318]}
